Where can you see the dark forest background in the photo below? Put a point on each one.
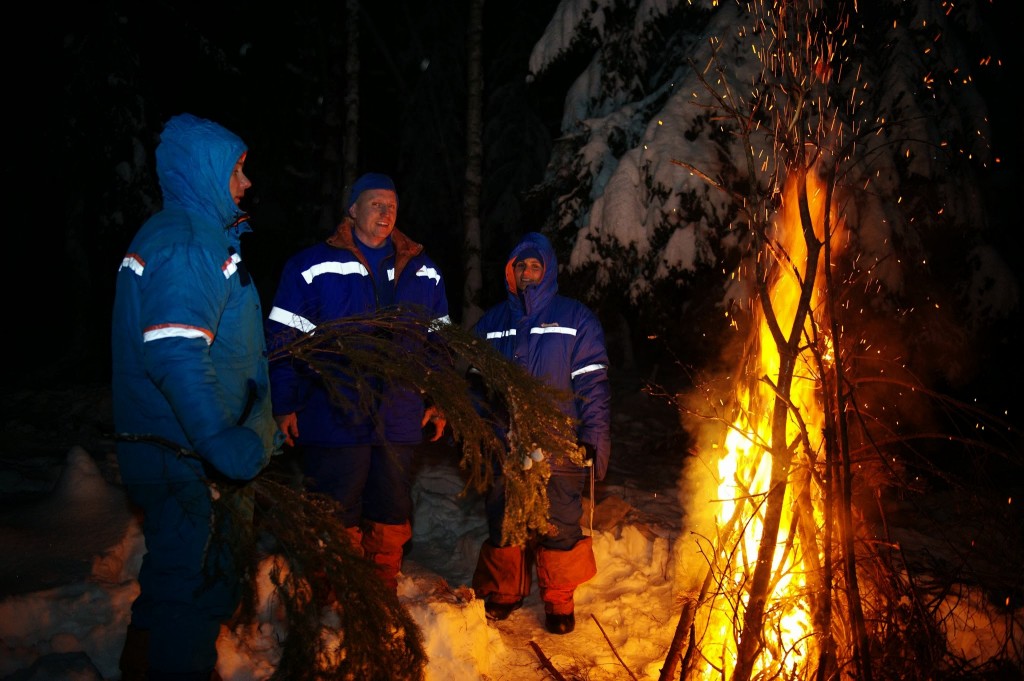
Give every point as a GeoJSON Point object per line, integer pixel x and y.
{"type": "Point", "coordinates": [93, 93]}
{"type": "Point", "coordinates": [90, 87]}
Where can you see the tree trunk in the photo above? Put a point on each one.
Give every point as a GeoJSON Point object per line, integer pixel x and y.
{"type": "Point", "coordinates": [351, 144]}
{"type": "Point", "coordinates": [473, 286]}
{"type": "Point", "coordinates": [787, 346]}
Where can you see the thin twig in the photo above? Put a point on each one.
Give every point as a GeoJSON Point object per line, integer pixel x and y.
{"type": "Point", "coordinates": [612, 646]}
{"type": "Point", "coordinates": [545, 662]}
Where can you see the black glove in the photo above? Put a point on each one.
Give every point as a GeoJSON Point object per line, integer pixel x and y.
{"type": "Point", "coordinates": [590, 453]}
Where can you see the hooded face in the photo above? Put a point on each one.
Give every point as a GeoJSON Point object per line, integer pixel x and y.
{"type": "Point", "coordinates": [527, 272]}
{"type": "Point", "coordinates": [193, 159]}
{"type": "Point", "coordinates": [238, 182]}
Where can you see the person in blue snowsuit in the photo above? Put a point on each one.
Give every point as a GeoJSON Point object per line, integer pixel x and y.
{"type": "Point", "coordinates": [560, 341]}
{"type": "Point", "coordinates": [189, 373]}
{"type": "Point", "coordinates": [361, 460]}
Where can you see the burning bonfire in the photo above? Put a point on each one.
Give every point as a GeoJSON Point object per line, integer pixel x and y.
{"type": "Point", "coordinates": [762, 609]}
{"type": "Point", "coordinates": [788, 575]}
{"type": "Point", "coordinates": [794, 582]}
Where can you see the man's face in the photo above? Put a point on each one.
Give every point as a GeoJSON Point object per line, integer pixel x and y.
{"type": "Point", "coordinates": [527, 272]}
{"type": "Point", "coordinates": [238, 182]}
{"type": "Point", "coordinates": [374, 213]}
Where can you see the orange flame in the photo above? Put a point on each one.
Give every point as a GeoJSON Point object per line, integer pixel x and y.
{"type": "Point", "coordinates": [744, 470]}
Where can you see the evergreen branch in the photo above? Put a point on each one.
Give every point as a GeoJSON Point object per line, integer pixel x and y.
{"type": "Point", "coordinates": [342, 621]}
{"type": "Point", "coordinates": [358, 358]}
{"type": "Point", "coordinates": [339, 620]}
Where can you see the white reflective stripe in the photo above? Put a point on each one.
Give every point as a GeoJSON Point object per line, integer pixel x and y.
{"type": "Point", "coordinates": [134, 263]}
{"type": "Point", "coordinates": [230, 265]}
{"type": "Point", "coordinates": [500, 334]}
{"type": "Point", "coordinates": [587, 369]}
{"type": "Point", "coordinates": [291, 319]}
{"type": "Point", "coordinates": [176, 331]}
{"type": "Point", "coordinates": [334, 267]}
{"type": "Point", "coordinates": [430, 273]}
{"type": "Point", "coordinates": [554, 329]}
{"type": "Point", "coordinates": [391, 274]}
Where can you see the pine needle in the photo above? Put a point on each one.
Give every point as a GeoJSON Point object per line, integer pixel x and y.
{"type": "Point", "coordinates": [405, 348]}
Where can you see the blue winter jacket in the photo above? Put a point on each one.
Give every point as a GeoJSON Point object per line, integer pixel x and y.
{"type": "Point", "coordinates": [330, 281]}
{"type": "Point", "coordinates": [189, 361]}
{"type": "Point", "coordinates": [559, 340]}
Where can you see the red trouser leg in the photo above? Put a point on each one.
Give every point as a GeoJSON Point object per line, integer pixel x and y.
{"type": "Point", "coordinates": [560, 572]}
{"type": "Point", "coordinates": [383, 545]}
{"type": "Point", "coordinates": [502, 573]}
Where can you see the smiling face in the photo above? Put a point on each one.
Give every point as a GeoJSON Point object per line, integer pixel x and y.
{"type": "Point", "coordinates": [527, 271]}
{"type": "Point", "coordinates": [238, 182]}
{"type": "Point", "coordinates": [374, 213]}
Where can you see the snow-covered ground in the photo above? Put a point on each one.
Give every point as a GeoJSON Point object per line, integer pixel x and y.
{"type": "Point", "coordinates": [72, 548]}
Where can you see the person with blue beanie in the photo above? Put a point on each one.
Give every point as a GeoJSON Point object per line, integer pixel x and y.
{"type": "Point", "coordinates": [364, 461]}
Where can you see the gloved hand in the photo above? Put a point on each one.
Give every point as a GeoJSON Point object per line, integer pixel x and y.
{"type": "Point", "coordinates": [236, 451]}
{"type": "Point", "coordinates": [589, 454]}
{"type": "Point", "coordinates": [536, 455]}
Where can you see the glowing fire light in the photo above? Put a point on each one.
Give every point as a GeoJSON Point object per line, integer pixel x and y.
{"type": "Point", "coordinates": [745, 473]}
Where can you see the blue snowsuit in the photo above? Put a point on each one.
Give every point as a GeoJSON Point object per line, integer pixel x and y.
{"type": "Point", "coordinates": [561, 341]}
{"type": "Point", "coordinates": [189, 368]}
{"type": "Point", "coordinates": [363, 461]}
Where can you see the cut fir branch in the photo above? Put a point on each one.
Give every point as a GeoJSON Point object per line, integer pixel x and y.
{"type": "Point", "coordinates": [339, 620]}
{"type": "Point", "coordinates": [358, 358]}
{"type": "Point", "coordinates": [337, 617]}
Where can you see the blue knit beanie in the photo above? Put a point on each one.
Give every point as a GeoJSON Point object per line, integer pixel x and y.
{"type": "Point", "coordinates": [369, 181]}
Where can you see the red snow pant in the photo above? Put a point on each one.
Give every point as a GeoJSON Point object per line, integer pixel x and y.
{"type": "Point", "coordinates": [503, 574]}
{"type": "Point", "coordinates": [373, 486]}
{"type": "Point", "coordinates": [383, 545]}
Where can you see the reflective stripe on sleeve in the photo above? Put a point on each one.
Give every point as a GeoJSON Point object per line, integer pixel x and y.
{"type": "Point", "coordinates": [500, 334]}
{"type": "Point", "coordinates": [587, 369]}
{"type": "Point", "coordinates": [291, 319]}
{"type": "Point", "coordinates": [176, 331]}
{"type": "Point", "coordinates": [133, 262]}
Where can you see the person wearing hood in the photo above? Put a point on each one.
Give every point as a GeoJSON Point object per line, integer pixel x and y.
{"type": "Point", "coordinates": [362, 459]}
{"type": "Point", "coordinates": [190, 375]}
{"type": "Point", "coordinates": [559, 340]}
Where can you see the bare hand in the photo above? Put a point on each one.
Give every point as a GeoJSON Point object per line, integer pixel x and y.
{"type": "Point", "coordinates": [435, 416]}
{"type": "Point", "coordinates": [289, 425]}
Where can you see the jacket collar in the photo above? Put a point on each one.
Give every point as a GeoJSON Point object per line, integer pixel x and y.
{"type": "Point", "coordinates": [405, 248]}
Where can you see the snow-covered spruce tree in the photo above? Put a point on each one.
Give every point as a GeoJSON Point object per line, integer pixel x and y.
{"type": "Point", "coordinates": [647, 236]}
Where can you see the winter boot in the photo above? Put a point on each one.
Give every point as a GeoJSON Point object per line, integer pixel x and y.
{"type": "Point", "coordinates": [560, 624]}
